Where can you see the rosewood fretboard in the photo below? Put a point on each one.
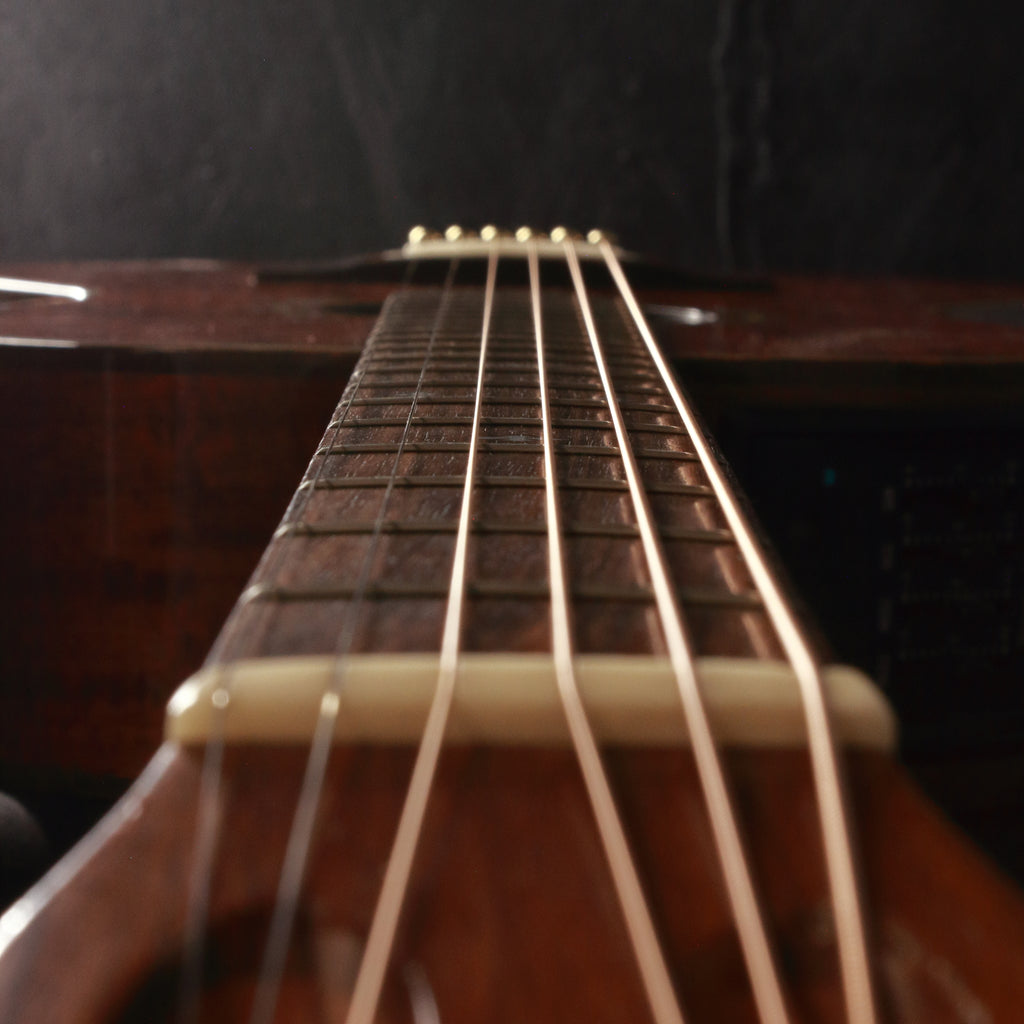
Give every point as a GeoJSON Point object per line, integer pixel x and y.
{"type": "Point", "coordinates": [397, 448]}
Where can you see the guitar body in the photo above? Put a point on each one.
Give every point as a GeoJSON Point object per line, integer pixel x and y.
{"type": "Point", "coordinates": [152, 459]}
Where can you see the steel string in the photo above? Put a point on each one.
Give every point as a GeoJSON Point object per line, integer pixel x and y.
{"type": "Point", "coordinates": [208, 811]}
{"type": "Point", "coordinates": [753, 937]}
{"type": "Point", "coordinates": [370, 978]}
{"type": "Point", "coordinates": [646, 947]}
{"type": "Point", "coordinates": [851, 936]}
{"type": "Point", "coordinates": [301, 834]}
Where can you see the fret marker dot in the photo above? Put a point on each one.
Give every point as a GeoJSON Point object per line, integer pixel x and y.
{"type": "Point", "coordinates": [220, 698]}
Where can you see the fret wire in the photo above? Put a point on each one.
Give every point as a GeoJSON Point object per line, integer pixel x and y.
{"type": "Point", "coordinates": [459, 364]}
{"type": "Point", "coordinates": [571, 483]}
{"type": "Point", "coordinates": [575, 384]}
{"type": "Point", "coordinates": [555, 403]}
{"type": "Point", "coordinates": [578, 529]}
{"type": "Point", "coordinates": [400, 340]}
{"type": "Point", "coordinates": [499, 446]}
{"type": "Point", "coordinates": [301, 835]}
{"type": "Point", "coordinates": [739, 884]}
{"type": "Point", "coordinates": [391, 348]}
{"type": "Point", "coordinates": [847, 905]}
{"type": "Point", "coordinates": [570, 374]}
{"type": "Point", "coordinates": [511, 421]}
{"type": "Point", "coordinates": [377, 953]}
{"type": "Point", "coordinates": [646, 947]}
{"type": "Point", "coordinates": [208, 801]}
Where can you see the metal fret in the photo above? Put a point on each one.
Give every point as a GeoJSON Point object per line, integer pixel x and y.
{"type": "Point", "coordinates": [467, 399]}
{"type": "Point", "coordinates": [431, 526]}
{"type": "Point", "coordinates": [521, 482]}
{"type": "Point", "coordinates": [453, 365]}
{"type": "Point", "coordinates": [509, 421]}
{"type": "Point", "coordinates": [501, 446]}
{"type": "Point", "coordinates": [573, 383]}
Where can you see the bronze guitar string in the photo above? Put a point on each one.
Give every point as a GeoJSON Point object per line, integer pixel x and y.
{"type": "Point", "coordinates": [647, 949]}
{"type": "Point", "coordinates": [855, 969]}
{"type": "Point", "coordinates": [739, 884]}
{"type": "Point", "coordinates": [301, 833]}
{"type": "Point", "coordinates": [366, 992]}
{"type": "Point", "coordinates": [208, 810]}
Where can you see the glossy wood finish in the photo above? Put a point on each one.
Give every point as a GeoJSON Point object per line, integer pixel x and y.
{"type": "Point", "coordinates": [201, 305]}
{"type": "Point", "coordinates": [511, 915]}
{"type": "Point", "coordinates": [140, 491]}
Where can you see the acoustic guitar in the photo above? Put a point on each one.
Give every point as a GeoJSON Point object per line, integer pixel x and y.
{"type": "Point", "coordinates": [515, 718]}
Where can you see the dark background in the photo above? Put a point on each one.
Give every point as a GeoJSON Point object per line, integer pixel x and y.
{"type": "Point", "coordinates": [751, 134]}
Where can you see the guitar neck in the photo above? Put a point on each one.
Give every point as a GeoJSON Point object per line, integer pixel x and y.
{"type": "Point", "coordinates": [476, 425]}
{"type": "Point", "coordinates": [372, 527]}
{"type": "Point", "coordinates": [361, 566]}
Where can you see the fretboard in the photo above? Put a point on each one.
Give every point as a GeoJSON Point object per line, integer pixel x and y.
{"type": "Point", "coordinates": [366, 546]}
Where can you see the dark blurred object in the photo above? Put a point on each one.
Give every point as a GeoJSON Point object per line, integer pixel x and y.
{"type": "Point", "coordinates": [23, 849]}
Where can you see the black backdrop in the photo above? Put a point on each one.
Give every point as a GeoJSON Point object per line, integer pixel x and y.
{"type": "Point", "coordinates": [865, 136]}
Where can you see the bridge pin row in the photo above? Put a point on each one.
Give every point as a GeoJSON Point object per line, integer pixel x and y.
{"type": "Point", "coordinates": [491, 233]}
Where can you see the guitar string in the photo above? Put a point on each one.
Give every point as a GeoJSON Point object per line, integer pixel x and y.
{"type": "Point", "coordinates": [208, 806]}
{"type": "Point", "coordinates": [208, 803]}
{"type": "Point", "coordinates": [300, 837]}
{"type": "Point", "coordinates": [664, 1005]}
{"type": "Point", "coordinates": [678, 402]}
{"type": "Point", "coordinates": [366, 992]}
{"type": "Point", "coordinates": [753, 937]}
{"type": "Point", "coordinates": [834, 820]}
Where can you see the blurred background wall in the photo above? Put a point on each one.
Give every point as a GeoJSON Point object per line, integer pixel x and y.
{"type": "Point", "coordinates": [866, 136]}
